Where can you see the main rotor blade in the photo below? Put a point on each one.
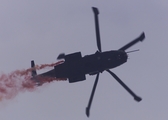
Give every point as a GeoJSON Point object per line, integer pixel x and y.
{"type": "Point", "coordinates": [91, 97]}
{"type": "Point", "coordinates": [137, 98]}
{"type": "Point", "coordinates": [96, 12]}
{"type": "Point", "coordinates": [140, 38]}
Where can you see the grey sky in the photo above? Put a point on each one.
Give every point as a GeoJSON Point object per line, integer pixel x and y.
{"type": "Point", "coordinates": [41, 29]}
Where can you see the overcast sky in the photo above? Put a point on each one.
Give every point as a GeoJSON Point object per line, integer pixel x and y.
{"type": "Point", "coordinates": [41, 29]}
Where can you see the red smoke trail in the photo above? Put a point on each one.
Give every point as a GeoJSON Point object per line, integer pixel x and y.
{"type": "Point", "coordinates": [20, 81]}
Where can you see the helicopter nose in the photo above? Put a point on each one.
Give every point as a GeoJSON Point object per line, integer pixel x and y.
{"type": "Point", "coordinates": [126, 55]}
{"type": "Point", "coordinates": [122, 56]}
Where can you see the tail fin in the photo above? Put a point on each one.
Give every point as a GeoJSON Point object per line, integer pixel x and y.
{"type": "Point", "coordinates": [34, 73]}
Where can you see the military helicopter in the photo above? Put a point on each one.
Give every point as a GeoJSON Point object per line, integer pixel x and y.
{"type": "Point", "coordinates": [75, 67]}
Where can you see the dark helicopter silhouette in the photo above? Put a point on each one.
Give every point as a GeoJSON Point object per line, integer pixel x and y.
{"type": "Point", "coordinates": [75, 67]}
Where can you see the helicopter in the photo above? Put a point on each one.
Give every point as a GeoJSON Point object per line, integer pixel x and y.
{"type": "Point", "coordinates": [75, 67]}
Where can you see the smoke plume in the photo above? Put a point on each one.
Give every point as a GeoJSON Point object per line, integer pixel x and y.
{"type": "Point", "coordinates": [20, 81]}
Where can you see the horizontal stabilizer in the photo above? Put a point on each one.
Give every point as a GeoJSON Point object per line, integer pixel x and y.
{"type": "Point", "coordinates": [34, 73]}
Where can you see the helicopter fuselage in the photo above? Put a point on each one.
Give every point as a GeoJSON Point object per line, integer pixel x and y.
{"type": "Point", "coordinates": [76, 67]}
